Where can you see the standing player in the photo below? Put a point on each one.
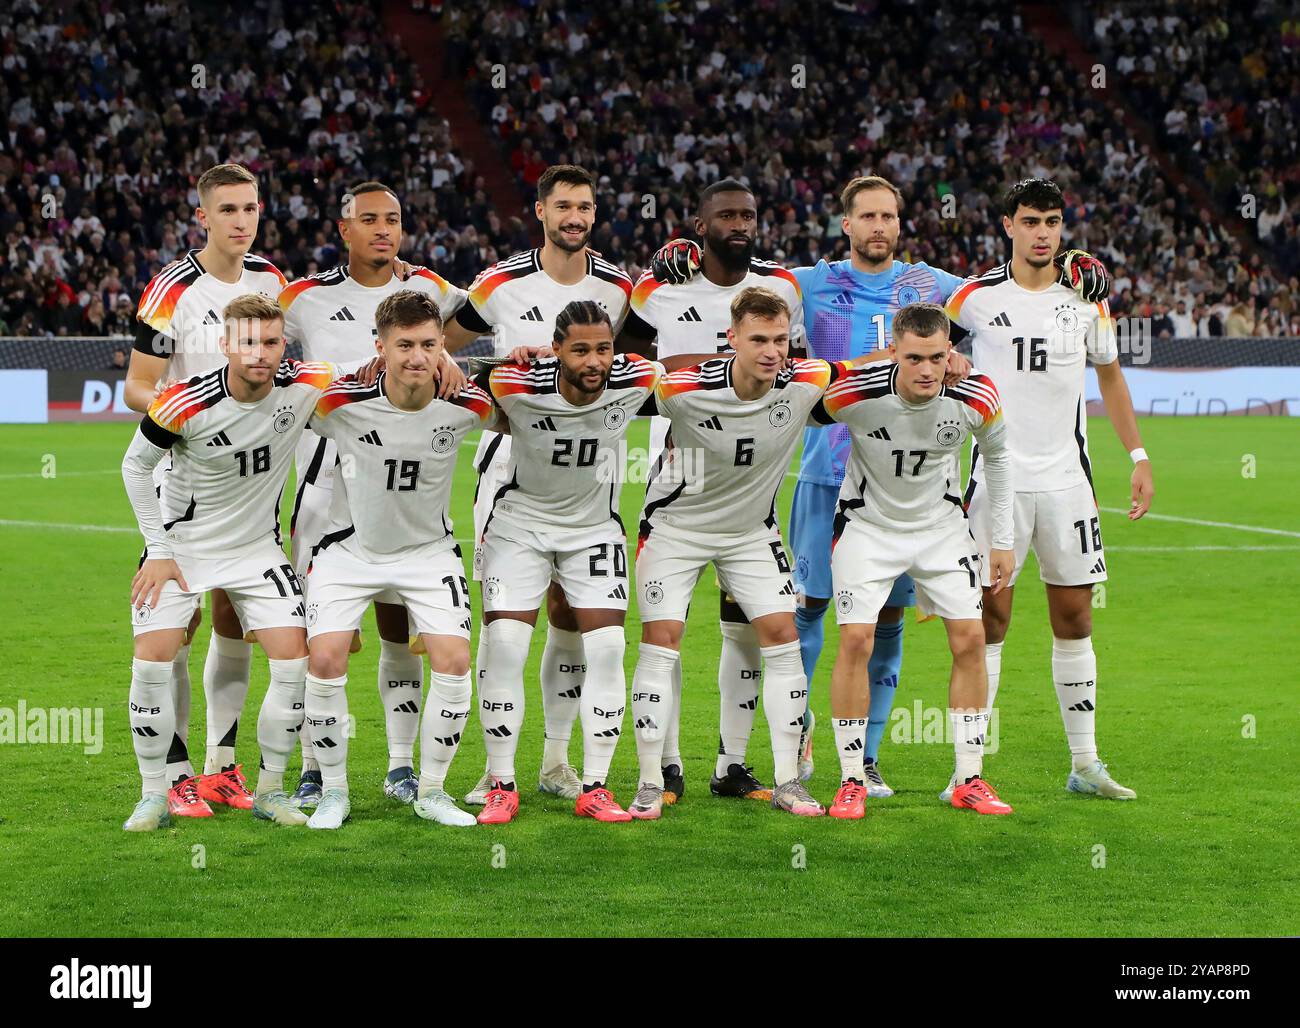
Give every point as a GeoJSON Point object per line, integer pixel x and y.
{"type": "Point", "coordinates": [518, 300]}
{"type": "Point", "coordinates": [898, 513]}
{"type": "Point", "coordinates": [332, 315]}
{"type": "Point", "coordinates": [214, 525]}
{"type": "Point", "coordinates": [848, 307]}
{"type": "Point", "coordinates": [556, 516]}
{"type": "Point", "coordinates": [1035, 337]}
{"type": "Point", "coordinates": [687, 324]}
{"type": "Point", "coordinates": [179, 335]}
{"type": "Point", "coordinates": [736, 422]}
{"type": "Point", "coordinates": [391, 533]}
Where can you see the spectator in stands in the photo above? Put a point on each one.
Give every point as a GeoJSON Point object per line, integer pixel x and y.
{"type": "Point", "coordinates": [1241, 320]}
{"type": "Point", "coordinates": [1183, 323]}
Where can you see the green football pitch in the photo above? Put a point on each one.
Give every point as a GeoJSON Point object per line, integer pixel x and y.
{"type": "Point", "coordinates": [1196, 641]}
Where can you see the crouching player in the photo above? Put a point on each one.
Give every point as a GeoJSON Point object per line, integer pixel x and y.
{"type": "Point", "coordinates": [390, 538]}
{"type": "Point", "coordinates": [214, 524]}
{"type": "Point", "coordinates": [899, 513]}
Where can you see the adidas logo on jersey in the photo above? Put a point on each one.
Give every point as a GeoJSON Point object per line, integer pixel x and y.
{"type": "Point", "coordinates": [1002, 321]}
{"type": "Point", "coordinates": [299, 611]}
{"type": "Point", "coordinates": [211, 318]}
{"type": "Point", "coordinates": [842, 300]}
{"type": "Point", "coordinates": [532, 315]}
{"type": "Point", "coordinates": [343, 314]}
{"type": "Point", "coordinates": [690, 314]}
{"type": "Point", "coordinates": [370, 437]}
{"type": "Point", "coordinates": [220, 439]}
{"type": "Point", "coordinates": [1100, 567]}
{"type": "Point", "coordinates": [618, 593]}
{"type": "Point", "coordinates": [545, 425]}
{"type": "Point", "coordinates": [465, 625]}
{"type": "Point", "coordinates": [712, 423]}
{"type": "Point", "coordinates": [880, 433]}
{"type": "Point", "coordinates": [787, 590]}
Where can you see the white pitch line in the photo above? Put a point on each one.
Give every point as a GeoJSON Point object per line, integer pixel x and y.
{"type": "Point", "coordinates": [1209, 524]}
{"type": "Point", "coordinates": [61, 526]}
{"type": "Point", "coordinates": [1201, 549]}
{"type": "Point", "coordinates": [60, 474]}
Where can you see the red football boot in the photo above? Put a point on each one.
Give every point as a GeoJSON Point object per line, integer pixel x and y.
{"type": "Point", "coordinates": [226, 787]}
{"type": "Point", "coordinates": [183, 799]}
{"type": "Point", "coordinates": [501, 806]}
{"type": "Point", "coordinates": [850, 802]}
{"type": "Point", "coordinates": [978, 795]}
{"type": "Point", "coordinates": [601, 805]}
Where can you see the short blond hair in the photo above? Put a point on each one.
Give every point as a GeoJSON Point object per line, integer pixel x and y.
{"type": "Point", "coordinates": [251, 307]}
{"type": "Point", "coordinates": [223, 175]}
{"type": "Point", "coordinates": [759, 302]}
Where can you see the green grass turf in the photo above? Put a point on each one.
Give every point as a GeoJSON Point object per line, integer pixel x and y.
{"type": "Point", "coordinates": [1189, 642]}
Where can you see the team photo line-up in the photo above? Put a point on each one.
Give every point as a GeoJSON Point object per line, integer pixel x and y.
{"type": "Point", "coordinates": [705, 344]}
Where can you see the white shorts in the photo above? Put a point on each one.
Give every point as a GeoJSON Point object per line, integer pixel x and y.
{"type": "Point", "coordinates": [752, 569]}
{"type": "Point", "coordinates": [1062, 527]}
{"type": "Point", "coordinates": [429, 583]}
{"type": "Point", "coordinates": [518, 567]}
{"type": "Point", "coordinates": [259, 580]}
{"type": "Point", "coordinates": [491, 460]}
{"type": "Point", "coordinates": [943, 562]}
{"type": "Point", "coordinates": [314, 461]}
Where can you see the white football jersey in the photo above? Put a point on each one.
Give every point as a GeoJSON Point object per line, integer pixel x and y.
{"type": "Point", "coordinates": [179, 315]}
{"type": "Point", "coordinates": [518, 302]}
{"type": "Point", "coordinates": [333, 315]}
{"type": "Point", "coordinates": [566, 462]}
{"type": "Point", "coordinates": [392, 490]}
{"type": "Point", "coordinates": [904, 470]}
{"type": "Point", "coordinates": [1035, 346]}
{"type": "Point", "coordinates": [694, 317]}
{"type": "Point", "coordinates": [229, 459]}
{"type": "Point", "coordinates": [727, 457]}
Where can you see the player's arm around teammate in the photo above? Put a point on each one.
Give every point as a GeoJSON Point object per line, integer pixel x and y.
{"type": "Point", "coordinates": [897, 517]}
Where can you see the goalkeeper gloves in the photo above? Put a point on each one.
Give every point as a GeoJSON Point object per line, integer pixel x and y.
{"type": "Point", "coordinates": [1084, 273]}
{"type": "Point", "coordinates": [676, 262]}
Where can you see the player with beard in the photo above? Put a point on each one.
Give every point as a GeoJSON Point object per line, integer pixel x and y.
{"type": "Point", "coordinates": [687, 324]}
{"type": "Point", "coordinates": [518, 300]}
{"type": "Point", "coordinates": [848, 312]}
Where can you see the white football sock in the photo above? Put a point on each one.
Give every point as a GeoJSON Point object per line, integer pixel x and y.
{"type": "Point", "coordinates": [400, 675]}
{"type": "Point", "coordinates": [563, 672]}
{"type": "Point", "coordinates": [327, 710]}
{"type": "Point", "coordinates": [1074, 673]}
{"type": "Point", "coordinates": [672, 753]}
{"type": "Point", "coordinates": [969, 728]}
{"type": "Point", "coordinates": [178, 754]}
{"type": "Point", "coordinates": [225, 686]}
{"type": "Point", "coordinates": [848, 740]}
{"type": "Point", "coordinates": [652, 685]}
{"type": "Point", "coordinates": [446, 712]}
{"type": "Point", "coordinates": [993, 666]}
{"type": "Point", "coordinates": [785, 695]}
{"type": "Point", "coordinates": [740, 672]}
{"type": "Point", "coordinates": [279, 720]}
{"type": "Point", "coordinates": [308, 753]}
{"type": "Point", "coordinates": [153, 722]}
{"type": "Point", "coordinates": [604, 698]}
{"type": "Point", "coordinates": [501, 692]}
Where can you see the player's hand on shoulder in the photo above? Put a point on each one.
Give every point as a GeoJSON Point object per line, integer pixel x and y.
{"type": "Point", "coordinates": [1085, 274]}
{"type": "Point", "coordinates": [958, 368]}
{"type": "Point", "coordinates": [676, 262]}
{"type": "Point", "coordinates": [403, 269]}
{"type": "Point", "coordinates": [451, 380]}
{"type": "Point", "coordinates": [525, 355]}
{"type": "Point", "coordinates": [147, 586]}
{"type": "Point", "coordinates": [1001, 565]}
{"type": "Point", "coordinates": [163, 385]}
{"type": "Point", "coordinates": [368, 373]}
{"type": "Point", "coordinates": [1142, 490]}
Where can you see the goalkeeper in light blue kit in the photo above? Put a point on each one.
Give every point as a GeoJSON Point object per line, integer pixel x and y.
{"type": "Point", "coordinates": [849, 306]}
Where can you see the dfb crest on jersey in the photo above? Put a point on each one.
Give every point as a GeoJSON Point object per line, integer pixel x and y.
{"type": "Point", "coordinates": [313, 610]}
{"type": "Point", "coordinates": [908, 294]}
{"type": "Point", "coordinates": [443, 440]}
{"type": "Point", "coordinates": [654, 592]}
{"type": "Point", "coordinates": [614, 418]}
{"type": "Point", "coordinates": [478, 558]}
{"type": "Point", "coordinates": [284, 420]}
{"type": "Point", "coordinates": [948, 433]}
{"type": "Point", "coordinates": [492, 589]}
{"type": "Point", "coordinates": [844, 602]}
{"type": "Point", "coordinates": [779, 414]}
{"type": "Point", "coordinates": [142, 614]}
{"type": "Point", "coordinates": [1067, 318]}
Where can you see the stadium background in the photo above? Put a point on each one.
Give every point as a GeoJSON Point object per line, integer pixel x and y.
{"type": "Point", "coordinates": [1181, 170]}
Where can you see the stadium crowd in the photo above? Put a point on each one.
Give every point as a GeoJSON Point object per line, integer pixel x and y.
{"type": "Point", "coordinates": [107, 128]}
